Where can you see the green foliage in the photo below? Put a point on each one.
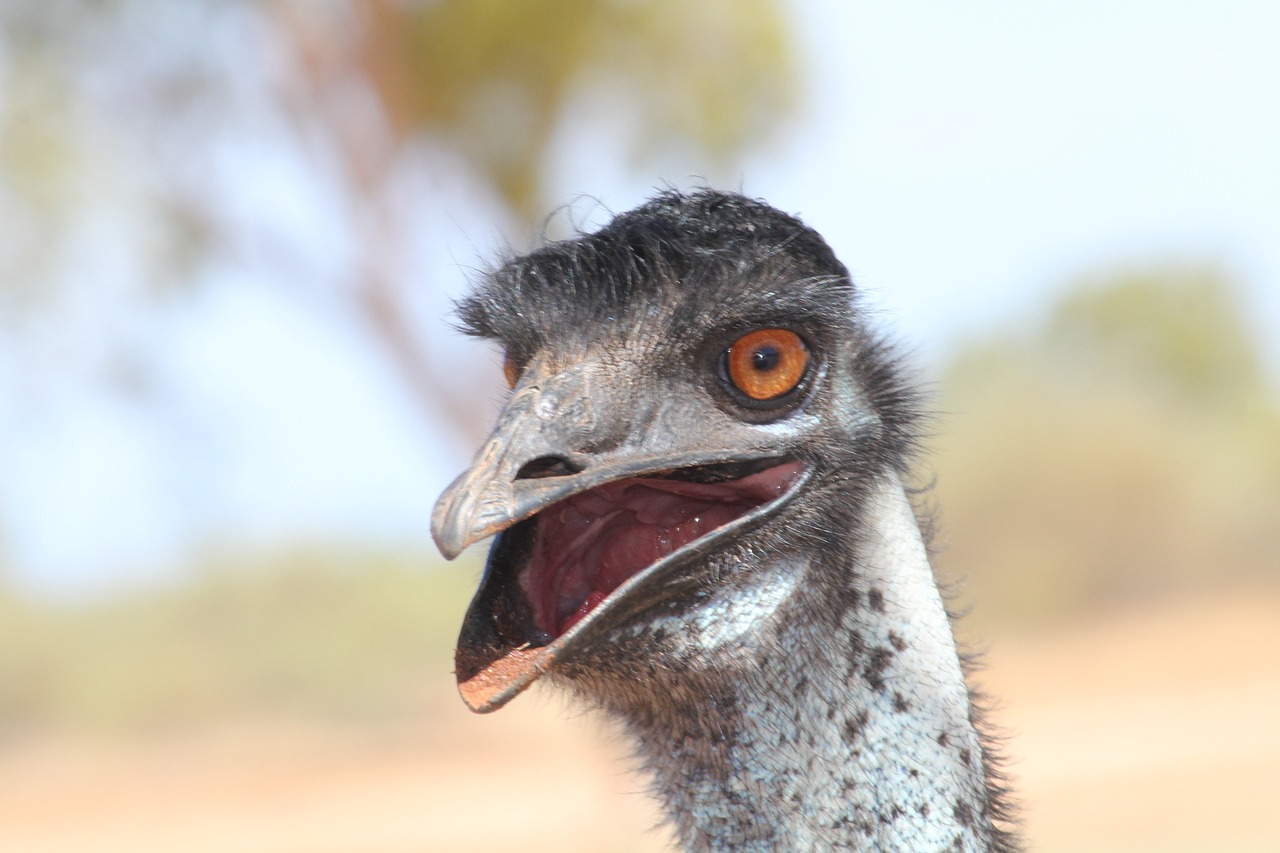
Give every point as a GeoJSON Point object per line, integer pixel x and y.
{"type": "Point", "coordinates": [129, 131]}
{"type": "Point", "coordinates": [493, 78]}
{"type": "Point", "coordinates": [112, 106]}
{"type": "Point", "coordinates": [1125, 448]}
{"type": "Point", "coordinates": [349, 637]}
{"type": "Point", "coordinates": [1179, 330]}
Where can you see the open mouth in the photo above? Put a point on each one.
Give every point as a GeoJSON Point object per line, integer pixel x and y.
{"type": "Point", "coordinates": [553, 575]}
{"type": "Point", "coordinates": [589, 544]}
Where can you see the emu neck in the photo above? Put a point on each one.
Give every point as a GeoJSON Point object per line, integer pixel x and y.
{"type": "Point", "coordinates": [822, 708]}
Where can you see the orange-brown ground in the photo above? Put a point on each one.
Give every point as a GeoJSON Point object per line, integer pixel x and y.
{"type": "Point", "coordinates": [1156, 729]}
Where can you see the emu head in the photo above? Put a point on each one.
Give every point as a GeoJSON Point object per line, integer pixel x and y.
{"type": "Point", "coordinates": [695, 395]}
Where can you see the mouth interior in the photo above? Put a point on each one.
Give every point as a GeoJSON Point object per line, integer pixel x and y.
{"type": "Point", "coordinates": [589, 544]}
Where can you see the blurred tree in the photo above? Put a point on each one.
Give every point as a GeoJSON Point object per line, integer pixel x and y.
{"type": "Point", "coordinates": [1177, 329]}
{"type": "Point", "coordinates": [490, 82]}
{"type": "Point", "coordinates": [1124, 446]}
{"type": "Point", "coordinates": [121, 122]}
{"type": "Point", "coordinates": [491, 78]}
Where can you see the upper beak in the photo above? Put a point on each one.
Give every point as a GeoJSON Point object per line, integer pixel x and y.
{"type": "Point", "coordinates": [543, 422]}
{"type": "Point", "coordinates": [558, 436]}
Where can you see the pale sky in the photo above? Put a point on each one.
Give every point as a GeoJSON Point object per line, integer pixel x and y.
{"type": "Point", "coordinates": [965, 162]}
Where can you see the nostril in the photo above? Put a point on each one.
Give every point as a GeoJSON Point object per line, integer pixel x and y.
{"type": "Point", "coordinates": [547, 466]}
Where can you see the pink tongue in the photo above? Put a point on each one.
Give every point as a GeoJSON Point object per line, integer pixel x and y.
{"type": "Point", "coordinates": [592, 543]}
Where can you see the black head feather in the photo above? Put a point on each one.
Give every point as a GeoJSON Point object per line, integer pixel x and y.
{"type": "Point", "coordinates": [678, 253]}
{"type": "Point", "coordinates": [683, 266]}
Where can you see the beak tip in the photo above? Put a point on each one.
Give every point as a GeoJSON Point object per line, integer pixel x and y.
{"type": "Point", "coordinates": [445, 529]}
{"type": "Point", "coordinates": [448, 550]}
{"type": "Point", "coordinates": [448, 537]}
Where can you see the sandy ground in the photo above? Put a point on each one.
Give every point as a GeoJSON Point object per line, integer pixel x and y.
{"type": "Point", "coordinates": [1149, 730]}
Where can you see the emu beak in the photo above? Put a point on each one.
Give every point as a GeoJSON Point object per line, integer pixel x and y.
{"type": "Point", "coordinates": [491, 496]}
{"type": "Point", "coordinates": [535, 459]}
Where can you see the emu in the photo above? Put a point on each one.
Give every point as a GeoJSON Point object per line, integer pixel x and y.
{"type": "Point", "coordinates": [696, 488]}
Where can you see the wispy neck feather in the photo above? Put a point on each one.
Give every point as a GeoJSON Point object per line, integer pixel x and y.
{"type": "Point", "coordinates": [801, 724]}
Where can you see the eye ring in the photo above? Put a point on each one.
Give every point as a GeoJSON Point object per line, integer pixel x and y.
{"type": "Point", "coordinates": [511, 370]}
{"type": "Point", "coordinates": [767, 364]}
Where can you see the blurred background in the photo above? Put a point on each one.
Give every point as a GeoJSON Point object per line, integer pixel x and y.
{"type": "Point", "coordinates": [230, 234]}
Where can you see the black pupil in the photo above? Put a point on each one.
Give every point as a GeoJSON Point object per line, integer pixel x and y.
{"type": "Point", "coordinates": [765, 358]}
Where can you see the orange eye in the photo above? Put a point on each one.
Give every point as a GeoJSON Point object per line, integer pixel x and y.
{"type": "Point", "coordinates": [767, 363]}
{"type": "Point", "coordinates": [510, 370]}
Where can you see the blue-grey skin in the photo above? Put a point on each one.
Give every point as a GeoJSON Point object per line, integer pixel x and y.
{"type": "Point", "coordinates": [791, 679]}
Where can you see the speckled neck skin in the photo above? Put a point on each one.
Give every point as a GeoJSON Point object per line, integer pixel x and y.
{"type": "Point", "coordinates": [777, 720]}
